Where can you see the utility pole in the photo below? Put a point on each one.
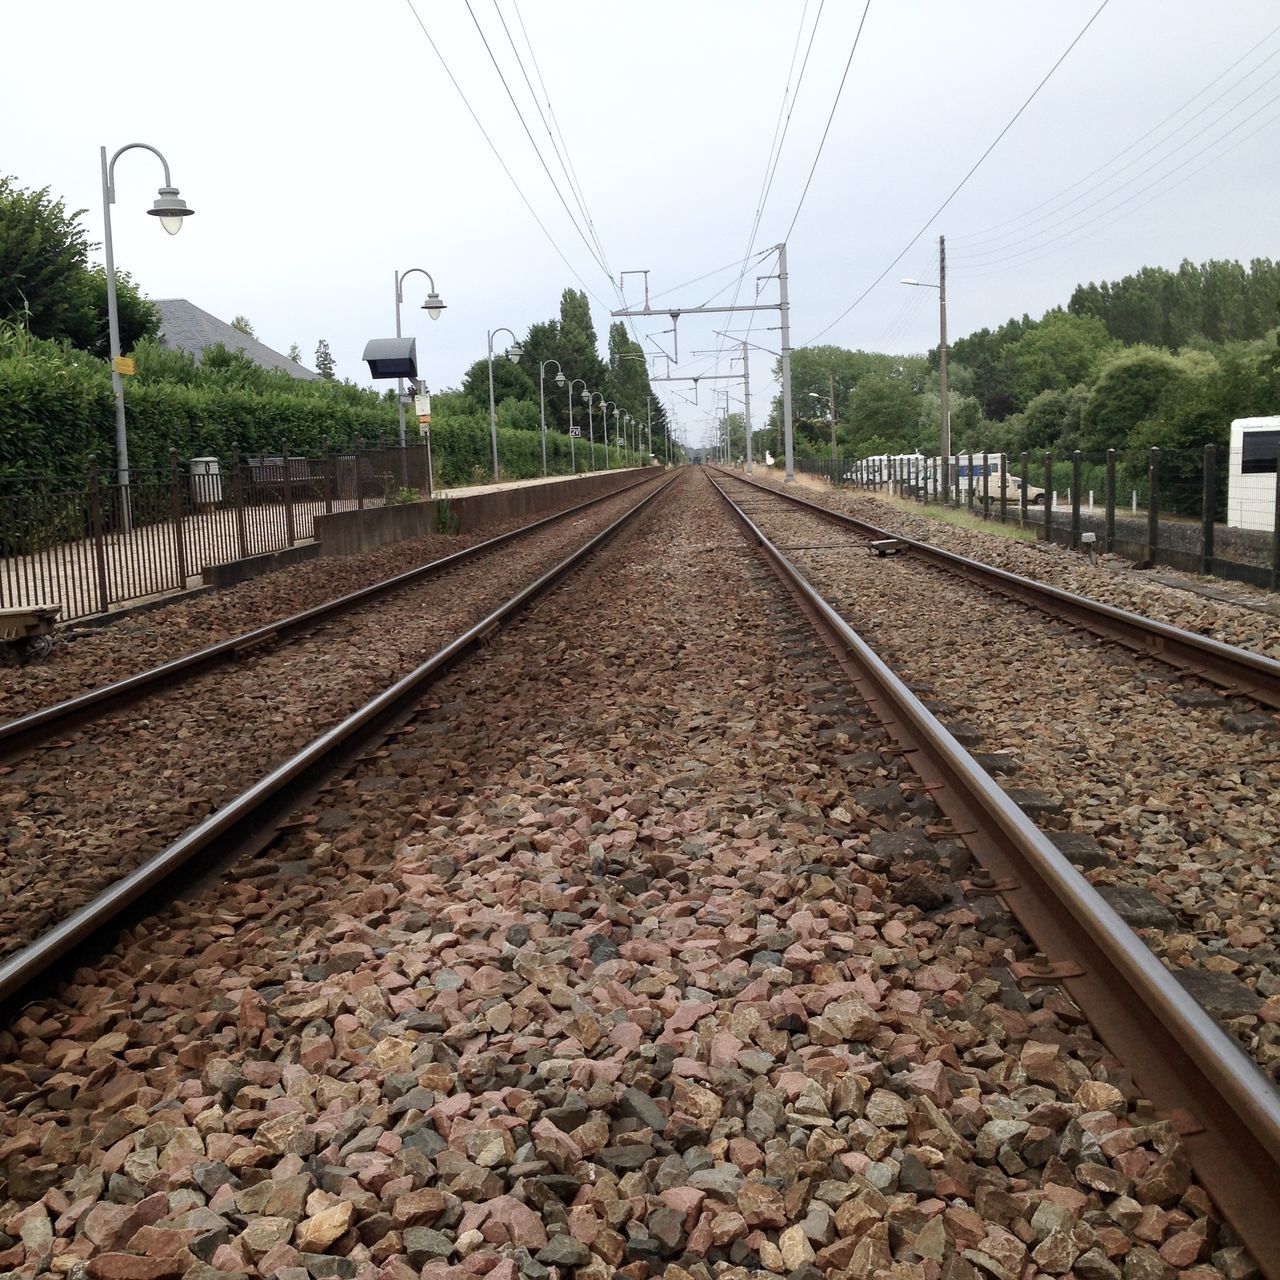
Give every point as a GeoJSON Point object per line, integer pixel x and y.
{"type": "Point", "coordinates": [831, 400]}
{"type": "Point", "coordinates": [784, 312]}
{"type": "Point", "coordinates": [746, 399]}
{"type": "Point", "coordinates": [782, 306]}
{"type": "Point", "coordinates": [943, 389]}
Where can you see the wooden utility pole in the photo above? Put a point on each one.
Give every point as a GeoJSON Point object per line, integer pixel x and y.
{"type": "Point", "coordinates": [831, 400]}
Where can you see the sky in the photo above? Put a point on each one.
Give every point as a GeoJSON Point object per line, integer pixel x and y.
{"type": "Point", "coordinates": [323, 147]}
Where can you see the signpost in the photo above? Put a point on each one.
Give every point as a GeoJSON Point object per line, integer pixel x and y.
{"type": "Point", "coordinates": [422, 407]}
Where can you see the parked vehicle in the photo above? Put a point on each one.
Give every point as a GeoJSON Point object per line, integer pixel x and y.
{"type": "Point", "coordinates": [1253, 456]}
{"type": "Point", "coordinates": [1013, 491]}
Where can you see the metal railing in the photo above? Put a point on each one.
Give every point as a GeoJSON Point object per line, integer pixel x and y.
{"type": "Point", "coordinates": [1161, 507]}
{"type": "Point", "coordinates": [88, 544]}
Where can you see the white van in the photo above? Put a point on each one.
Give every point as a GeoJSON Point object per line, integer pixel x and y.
{"type": "Point", "coordinates": [1251, 473]}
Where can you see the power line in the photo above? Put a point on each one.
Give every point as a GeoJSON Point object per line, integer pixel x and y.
{"type": "Point", "coordinates": [980, 237]}
{"type": "Point", "coordinates": [564, 204]}
{"type": "Point", "coordinates": [963, 181]}
{"type": "Point", "coordinates": [823, 140]}
{"type": "Point", "coordinates": [1013, 239]}
{"type": "Point", "coordinates": [498, 155]}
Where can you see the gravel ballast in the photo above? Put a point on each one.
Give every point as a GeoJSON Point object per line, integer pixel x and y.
{"type": "Point", "coordinates": [629, 956]}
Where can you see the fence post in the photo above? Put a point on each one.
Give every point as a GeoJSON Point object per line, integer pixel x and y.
{"type": "Point", "coordinates": [1004, 488]}
{"type": "Point", "coordinates": [943, 479]}
{"type": "Point", "coordinates": [175, 509]}
{"type": "Point", "coordinates": [99, 542]}
{"type": "Point", "coordinates": [986, 486]}
{"type": "Point", "coordinates": [359, 480]}
{"type": "Point", "coordinates": [1075, 500]}
{"type": "Point", "coordinates": [327, 466]}
{"type": "Point", "coordinates": [1025, 458]}
{"type": "Point", "coordinates": [1048, 496]}
{"type": "Point", "coordinates": [237, 498]}
{"type": "Point", "coordinates": [1110, 543]}
{"type": "Point", "coordinates": [287, 490]}
{"type": "Point", "coordinates": [1275, 535]}
{"type": "Point", "coordinates": [1153, 505]}
{"type": "Point", "coordinates": [1208, 504]}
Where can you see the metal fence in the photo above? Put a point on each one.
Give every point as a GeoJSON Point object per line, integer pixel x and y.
{"type": "Point", "coordinates": [1182, 508]}
{"type": "Point", "coordinates": [90, 544]}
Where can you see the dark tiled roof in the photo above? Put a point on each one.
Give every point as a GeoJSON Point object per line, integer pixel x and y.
{"type": "Point", "coordinates": [186, 327]}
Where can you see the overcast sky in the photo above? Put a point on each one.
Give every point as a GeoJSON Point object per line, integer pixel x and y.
{"type": "Point", "coordinates": [323, 146]}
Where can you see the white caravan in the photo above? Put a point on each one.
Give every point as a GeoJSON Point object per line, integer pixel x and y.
{"type": "Point", "coordinates": [1251, 473]}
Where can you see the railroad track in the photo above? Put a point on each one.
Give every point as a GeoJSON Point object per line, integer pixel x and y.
{"type": "Point", "coordinates": [55, 721]}
{"type": "Point", "coordinates": [629, 901]}
{"type": "Point", "coordinates": [1228, 1113]}
{"type": "Point", "coordinates": [1236, 670]}
{"type": "Point", "coordinates": [250, 819]}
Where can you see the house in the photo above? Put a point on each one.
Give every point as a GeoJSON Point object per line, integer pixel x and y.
{"type": "Point", "coordinates": [185, 327]}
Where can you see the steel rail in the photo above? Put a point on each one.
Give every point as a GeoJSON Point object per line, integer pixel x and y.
{"type": "Point", "coordinates": [250, 821]}
{"type": "Point", "coordinates": [1228, 1113]}
{"type": "Point", "coordinates": [1232, 668]}
{"type": "Point", "coordinates": [21, 734]}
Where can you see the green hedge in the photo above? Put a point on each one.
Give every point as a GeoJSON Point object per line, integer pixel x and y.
{"type": "Point", "coordinates": [57, 415]}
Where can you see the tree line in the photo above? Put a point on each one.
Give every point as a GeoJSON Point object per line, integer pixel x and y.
{"type": "Point", "coordinates": [1159, 358]}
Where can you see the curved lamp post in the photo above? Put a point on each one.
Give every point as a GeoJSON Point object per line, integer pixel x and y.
{"type": "Point", "coordinates": [433, 307]}
{"type": "Point", "coordinates": [605, 406]}
{"type": "Point", "coordinates": [514, 352]}
{"type": "Point", "coordinates": [542, 403]}
{"type": "Point", "coordinates": [170, 208]}
{"type": "Point", "coordinates": [573, 382]}
{"type": "Point", "coordinates": [590, 398]}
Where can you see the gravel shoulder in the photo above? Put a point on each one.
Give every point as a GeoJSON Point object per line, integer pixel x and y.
{"type": "Point", "coordinates": [644, 967]}
{"type": "Point", "coordinates": [1171, 785]}
{"type": "Point", "coordinates": [1112, 579]}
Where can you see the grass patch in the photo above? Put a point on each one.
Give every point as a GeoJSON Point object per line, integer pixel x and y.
{"type": "Point", "coordinates": [961, 517]}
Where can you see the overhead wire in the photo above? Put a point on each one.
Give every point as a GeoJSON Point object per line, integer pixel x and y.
{"type": "Point", "coordinates": [822, 142]}
{"type": "Point", "coordinates": [498, 154]}
{"type": "Point", "coordinates": [973, 169]}
{"type": "Point", "coordinates": [1015, 238]}
{"type": "Point", "coordinates": [981, 236]}
{"type": "Point", "coordinates": [528, 133]}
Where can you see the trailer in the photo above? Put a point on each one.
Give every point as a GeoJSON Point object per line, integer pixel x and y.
{"type": "Point", "coordinates": [1251, 473]}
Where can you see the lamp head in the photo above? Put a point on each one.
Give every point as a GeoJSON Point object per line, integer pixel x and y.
{"type": "Point", "coordinates": [586, 395]}
{"type": "Point", "coordinates": [514, 352]}
{"type": "Point", "coordinates": [170, 208]}
{"type": "Point", "coordinates": [908, 280]}
{"type": "Point", "coordinates": [433, 306]}
{"type": "Point", "coordinates": [560, 378]}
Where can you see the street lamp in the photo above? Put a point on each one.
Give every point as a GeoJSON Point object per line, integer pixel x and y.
{"type": "Point", "coordinates": [433, 307]}
{"type": "Point", "coordinates": [170, 208]}
{"type": "Point", "coordinates": [573, 382]}
{"type": "Point", "coordinates": [542, 403]}
{"type": "Point", "coordinates": [590, 398]}
{"type": "Point", "coordinates": [944, 393]}
{"type": "Point", "coordinates": [605, 406]}
{"type": "Point", "coordinates": [831, 415]}
{"type": "Point", "coordinates": [514, 352]}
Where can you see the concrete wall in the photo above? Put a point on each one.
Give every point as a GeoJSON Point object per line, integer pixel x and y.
{"type": "Point", "coordinates": [347, 533]}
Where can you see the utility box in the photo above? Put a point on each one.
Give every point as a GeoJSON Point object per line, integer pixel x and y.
{"type": "Point", "coordinates": [206, 483]}
{"type": "Point", "coordinates": [391, 357]}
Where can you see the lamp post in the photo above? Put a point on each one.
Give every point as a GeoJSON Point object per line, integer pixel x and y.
{"type": "Point", "coordinates": [542, 403]}
{"type": "Point", "coordinates": [605, 406]}
{"type": "Point", "coordinates": [831, 417]}
{"type": "Point", "coordinates": [170, 208]}
{"type": "Point", "coordinates": [433, 307]}
{"type": "Point", "coordinates": [573, 382]}
{"type": "Point", "coordinates": [944, 444]}
{"type": "Point", "coordinates": [590, 398]}
{"type": "Point", "coordinates": [514, 352]}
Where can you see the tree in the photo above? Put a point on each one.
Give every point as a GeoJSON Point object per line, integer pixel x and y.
{"type": "Point", "coordinates": [1061, 351]}
{"type": "Point", "coordinates": [241, 324]}
{"type": "Point", "coordinates": [510, 382]}
{"type": "Point", "coordinates": [325, 362]}
{"type": "Point", "coordinates": [46, 281]}
{"type": "Point", "coordinates": [295, 354]}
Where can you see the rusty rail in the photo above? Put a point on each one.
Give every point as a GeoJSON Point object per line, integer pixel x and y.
{"type": "Point", "coordinates": [1180, 1058]}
